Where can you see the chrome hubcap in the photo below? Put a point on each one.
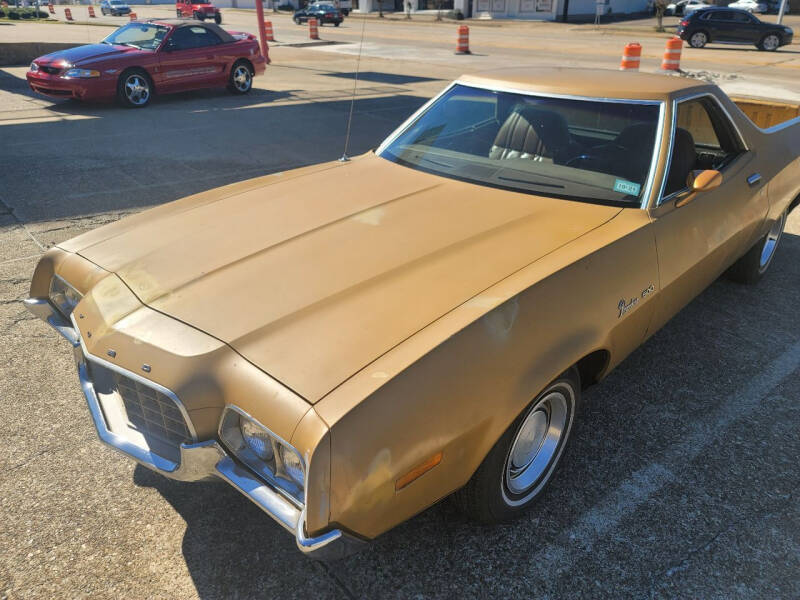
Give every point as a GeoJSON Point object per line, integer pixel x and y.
{"type": "Point", "coordinates": [137, 90]}
{"type": "Point", "coordinates": [698, 39]}
{"type": "Point", "coordinates": [771, 243]}
{"type": "Point", "coordinates": [242, 78]}
{"type": "Point", "coordinates": [538, 444]}
{"type": "Point", "coordinates": [770, 42]}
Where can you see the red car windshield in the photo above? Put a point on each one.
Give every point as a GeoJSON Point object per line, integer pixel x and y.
{"type": "Point", "coordinates": [144, 36]}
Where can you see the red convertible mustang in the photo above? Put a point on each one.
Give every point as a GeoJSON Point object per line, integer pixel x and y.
{"type": "Point", "coordinates": [142, 58]}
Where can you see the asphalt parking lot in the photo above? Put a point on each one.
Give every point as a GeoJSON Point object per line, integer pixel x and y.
{"type": "Point", "coordinates": [681, 481]}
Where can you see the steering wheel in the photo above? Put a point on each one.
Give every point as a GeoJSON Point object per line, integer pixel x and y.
{"type": "Point", "coordinates": [605, 153]}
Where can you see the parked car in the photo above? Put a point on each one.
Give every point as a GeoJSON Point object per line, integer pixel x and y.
{"type": "Point", "coordinates": [143, 58]}
{"type": "Point", "coordinates": [693, 6]}
{"type": "Point", "coordinates": [730, 25]}
{"type": "Point", "coordinates": [774, 7]}
{"type": "Point", "coordinates": [679, 8]}
{"type": "Point", "coordinates": [750, 6]}
{"type": "Point", "coordinates": [115, 8]}
{"type": "Point", "coordinates": [198, 9]}
{"type": "Point", "coordinates": [322, 12]}
{"type": "Point", "coordinates": [348, 343]}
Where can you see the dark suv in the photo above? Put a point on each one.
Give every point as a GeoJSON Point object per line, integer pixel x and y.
{"type": "Point", "coordinates": [732, 26]}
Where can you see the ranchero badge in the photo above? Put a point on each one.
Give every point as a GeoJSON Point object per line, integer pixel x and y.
{"type": "Point", "coordinates": [624, 307]}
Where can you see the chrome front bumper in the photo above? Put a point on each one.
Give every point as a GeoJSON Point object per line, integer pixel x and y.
{"type": "Point", "coordinates": [198, 461]}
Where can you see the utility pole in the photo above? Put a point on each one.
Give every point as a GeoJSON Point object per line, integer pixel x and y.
{"type": "Point", "coordinates": [262, 32]}
{"type": "Point", "coordinates": [781, 10]}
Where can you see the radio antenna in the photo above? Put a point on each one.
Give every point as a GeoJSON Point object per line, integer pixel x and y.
{"type": "Point", "coordinates": [344, 157]}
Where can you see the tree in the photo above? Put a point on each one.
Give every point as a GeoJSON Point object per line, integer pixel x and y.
{"type": "Point", "coordinates": [661, 6]}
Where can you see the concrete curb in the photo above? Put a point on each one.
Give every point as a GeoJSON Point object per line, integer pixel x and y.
{"type": "Point", "coordinates": [22, 53]}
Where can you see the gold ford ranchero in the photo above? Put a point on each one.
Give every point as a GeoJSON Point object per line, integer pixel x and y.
{"type": "Point", "coordinates": [348, 343]}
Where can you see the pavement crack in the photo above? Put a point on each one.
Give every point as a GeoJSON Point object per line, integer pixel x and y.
{"type": "Point", "coordinates": [339, 583]}
{"type": "Point", "coordinates": [10, 211]}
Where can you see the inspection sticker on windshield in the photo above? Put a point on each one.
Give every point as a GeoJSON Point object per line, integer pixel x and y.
{"type": "Point", "coordinates": [627, 187]}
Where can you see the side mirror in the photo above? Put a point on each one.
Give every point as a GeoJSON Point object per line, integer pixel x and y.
{"type": "Point", "coordinates": [698, 182]}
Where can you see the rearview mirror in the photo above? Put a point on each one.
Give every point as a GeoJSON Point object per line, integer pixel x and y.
{"type": "Point", "coordinates": [698, 182]}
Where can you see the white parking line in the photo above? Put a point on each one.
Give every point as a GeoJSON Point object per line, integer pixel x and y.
{"type": "Point", "coordinates": [596, 523]}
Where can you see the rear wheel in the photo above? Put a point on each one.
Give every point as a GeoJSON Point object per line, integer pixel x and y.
{"type": "Point", "coordinates": [337, 23]}
{"type": "Point", "coordinates": [698, 39]}
{"type": "Point", "coordinates": [770, 42]}
{"type": "Point", "coordinates": [180, 16]}
{"type": "Point", "coordinates": [218, 18]}
{"type": "Point", "coordinates": [199, 16]}
{"type": "Point", "coordinates": [752, 266]}
{"type": "Point", "coordinates": [296, 20]}
{"type": "Point", "coordinates": [134, 88]}
{"type": "Point", "coordinates": [240, 80]}
{"type": "Point", "coordinates": [517, 469]}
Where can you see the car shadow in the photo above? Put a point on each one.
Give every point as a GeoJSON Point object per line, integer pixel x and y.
{"type": "Point", "coordinates": [182, 144]}
{"type": "Point", "coordinates": [628, 422]}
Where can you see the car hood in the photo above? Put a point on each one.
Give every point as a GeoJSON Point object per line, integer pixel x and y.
{"type": "Point", "coordinates": [88, 53]}
{"type": "Point", "coordinates": [313, 274]}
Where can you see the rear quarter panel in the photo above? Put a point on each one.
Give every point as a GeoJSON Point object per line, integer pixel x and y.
{"type": "Point", "coordinates": [457, 385]}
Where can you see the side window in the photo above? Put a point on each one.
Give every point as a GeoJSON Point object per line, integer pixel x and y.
{"type": "Point", "coordinates": [743, 18]}
{"type": "Point", "coordinates": [186, 38]}
{"type": "Point", "coordinates": [704, 139]}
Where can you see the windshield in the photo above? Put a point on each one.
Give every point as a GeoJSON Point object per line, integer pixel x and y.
{"type": "Point", "coordinates": [589, 150]}
{"type": "Point", "coordinates": [139, 35]}
{"type": "Point", "coordinates": [117, 3]}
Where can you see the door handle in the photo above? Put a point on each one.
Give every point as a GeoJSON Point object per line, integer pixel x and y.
{"type": "Point", "coordinates": [754, 179]}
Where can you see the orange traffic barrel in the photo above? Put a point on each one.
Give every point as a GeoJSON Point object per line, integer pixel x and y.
{"type": "Point", "coordinates": [672, 55]}
{"type": "Point", "coordinates": [133, 16]}
{"type": "Point", "coordinates": [462, 45]}
{"type": "Point", "coordinates": [313, 32]}
{"type": "Point", "coordinates": [631, 56]}
{"type": "Point", "coordinates": [268, 31]}
{"type": "Point", "coordinates": [68, 14]}
{"type": "Point", "coordinates": [91, 11]}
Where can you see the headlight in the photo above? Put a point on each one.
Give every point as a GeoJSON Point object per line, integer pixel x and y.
{"type": "Point", "coordinates": [34, 67]}
{"type": "Point", "coordinates": [258, 440]}
{"type": "Point", "coordinates": [81, 73]}
{"type": "Point", "coordinates": [270, 457]}
{"type": "Point", "coordinates": [788, 30]}
{"type": "Point", "coordinates": [63, 296]}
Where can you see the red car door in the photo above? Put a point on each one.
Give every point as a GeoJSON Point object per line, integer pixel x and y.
{"type": "Point", "coordinates": [190, 59]}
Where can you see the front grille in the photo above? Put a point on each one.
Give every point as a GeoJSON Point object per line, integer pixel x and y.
{"type": "Point", "coordinates": [150, 412]}
{"type": "Point", "coordinates": [50, 70]}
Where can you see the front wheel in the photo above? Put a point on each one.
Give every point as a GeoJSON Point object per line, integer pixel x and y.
{"type": "Point", "coordinates": [337, 23]}
{"type": "Point", "coordinates": [770, 43]}
{"type": "Point", "coordinates": [517, 469]}
{"type": "Point", "coordinates": [753, 265]}
{"type": "Point", "coordinates": [296, 21]}
{"type": "Point", "coordinates": [134, 89]}
{"type": "Point", "coordinates": [180, 16]}
{"type": "Point", "coordinates": [241, 78]}
{"type": "Point", "coordinates": [698, 39]}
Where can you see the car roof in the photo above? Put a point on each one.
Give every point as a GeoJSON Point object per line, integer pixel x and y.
{"type": "Point", "coordinates": [593, 83]}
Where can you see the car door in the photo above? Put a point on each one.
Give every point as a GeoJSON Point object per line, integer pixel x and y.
{"type": "Point", "coordinates": [190, 59]}
{"type": "Point", "coordinates": [746, 27]}
{"type": "Point", "coordinates": [723, 27]}
{"type": "Point", "coordinates": [699, 239]}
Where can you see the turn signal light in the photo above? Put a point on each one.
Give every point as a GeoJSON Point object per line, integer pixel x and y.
{"type": "Point", "coordinates": [417, 471]}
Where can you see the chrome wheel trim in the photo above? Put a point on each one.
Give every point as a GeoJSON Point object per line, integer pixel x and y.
{"type": "Point", "coordinates": [137, 90]}
{"type": "Point", "coordinates": [538, 445]}
{"type": "Point", "coordinates": [242, 79]}
{"type": "Point", "coordinates": [771, 243]}
{"type": "Point", "coordinates": [771, 42]}
{"type": "Point", "coordinates": [699, 39]}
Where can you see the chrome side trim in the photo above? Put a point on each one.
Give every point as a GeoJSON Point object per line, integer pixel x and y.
{"type": "Point", "coordinates": [778, 127]}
